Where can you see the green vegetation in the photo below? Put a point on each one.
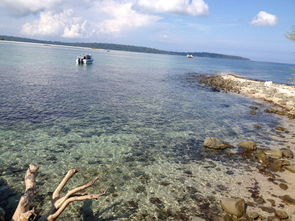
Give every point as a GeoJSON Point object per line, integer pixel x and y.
{"type": "Point", "coordinates": [291, 35]}
{"type": "Point", "coordinates": [120, 47]}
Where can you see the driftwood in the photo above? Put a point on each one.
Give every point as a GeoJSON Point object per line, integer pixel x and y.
{"type": "Point", "coordinates": [58, 203]}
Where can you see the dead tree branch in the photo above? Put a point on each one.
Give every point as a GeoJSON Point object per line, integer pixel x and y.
{"type": "Point", "coordinates": [58, 203]}
{"type": "Point", "coordinates": [23, 212]}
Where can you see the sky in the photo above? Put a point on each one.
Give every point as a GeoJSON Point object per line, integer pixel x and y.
{"type": "Point", "coordinates": [254, 29]}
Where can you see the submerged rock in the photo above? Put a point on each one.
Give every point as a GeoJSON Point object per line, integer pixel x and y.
{"type": "Point", "coordinates": [276, 154]}
{"type": "Point", "coordinates": [2, 214]}
{"type": "Point", "coordinates": [277, 165]}
{"type": "Point", "coordinates": [214, 143]}
{"type": "Point", "coordinates": [232, 206]}
{"type": "Point", "coordinates": [287, 153]}
{"type": "Point", "coordinates": [261, 157]}
{"type": "Point", "coordinates": [280, 129]}
{"type": "Point", "coordinates": [248, 145]}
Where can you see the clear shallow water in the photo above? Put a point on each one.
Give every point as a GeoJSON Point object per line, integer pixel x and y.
{"type": "Point", "coordinates": [137, 120]}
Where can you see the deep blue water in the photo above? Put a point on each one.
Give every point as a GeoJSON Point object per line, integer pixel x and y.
{"type": "Point", "coordinates": [126, 115]}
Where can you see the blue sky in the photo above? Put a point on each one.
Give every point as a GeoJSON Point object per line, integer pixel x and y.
{"type": "Point", "coordinates": [255, 28]}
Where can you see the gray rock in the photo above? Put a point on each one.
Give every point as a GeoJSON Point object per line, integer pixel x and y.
{"type": "Point", "coordinates": [214, 143]}
{"type": "Point", "coordinates": [248, 145]}
{"type": "Point", "coordinates": [232, 206]}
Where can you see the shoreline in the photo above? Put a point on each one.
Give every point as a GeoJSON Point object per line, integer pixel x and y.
{"type": "Point", "coordinates": [270, 185]}
{"type": "Point", "coordinates": [50, 45]}
{"type": "Point", "coordinates": [282, 96]}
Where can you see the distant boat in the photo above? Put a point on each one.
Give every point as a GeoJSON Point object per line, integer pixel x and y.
{"type": "Point", "coordinates": [87, 59]}
{"type": "Point", "coordinates": [189, 56]}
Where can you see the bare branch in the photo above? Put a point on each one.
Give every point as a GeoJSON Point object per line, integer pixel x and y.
{"type": "Point", "coordinates": [60, 203]}
{"type": "Point", "coordinates": [22, 212]}
{"type": "Point", "coordinates": [75, 190]}
{"type": "Point", "coordinates": [68, 201]}
{"type": "Point", "coordinates": [62, 184]}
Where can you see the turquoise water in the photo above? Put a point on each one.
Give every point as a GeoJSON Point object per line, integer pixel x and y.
{"type": "Point", "coordinates": [136, 120]}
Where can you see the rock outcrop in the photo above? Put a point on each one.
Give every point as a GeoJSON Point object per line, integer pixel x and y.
{"type": "Point", "coordinates": [280, 95]}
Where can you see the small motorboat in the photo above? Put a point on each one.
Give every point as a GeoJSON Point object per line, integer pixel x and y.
{"type": "Point", "coordinates": [87, 59]}
{"type": "Point", "coordinates": [189, 56]}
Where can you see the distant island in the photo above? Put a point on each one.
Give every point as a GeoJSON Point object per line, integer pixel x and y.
{"type": "Point", "coordinates": [120, 47]}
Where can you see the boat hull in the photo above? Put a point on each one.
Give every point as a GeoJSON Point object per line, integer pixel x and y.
{"type": "Point", "coordinates": [84, 61]}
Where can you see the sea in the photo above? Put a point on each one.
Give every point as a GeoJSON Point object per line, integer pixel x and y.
{"type": "Point", "coordinates": [136, 120]}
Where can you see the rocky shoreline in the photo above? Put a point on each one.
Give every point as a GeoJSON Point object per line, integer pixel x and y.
{"type": "Point", "coordinates": [280, 95]}
{"type": "Point", "coordinates": [276, 201]}
{"type": "Point", "coordinates": [271, 163]}
{"type": "Point", "coordinates": [261, 189]}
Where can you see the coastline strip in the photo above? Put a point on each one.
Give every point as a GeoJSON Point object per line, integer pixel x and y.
{"type": "Point", "coordinates": [280, 95]}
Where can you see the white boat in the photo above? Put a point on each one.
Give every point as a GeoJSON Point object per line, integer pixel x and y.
{"type": "Point", "coordinates": [86, 59]}
{"type": "Point", "coordinates": [189, 56]}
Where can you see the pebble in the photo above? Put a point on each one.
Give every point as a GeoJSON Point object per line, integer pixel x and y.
{"type": "Point", "coordinates": [253, 215]}
{"type": "Point", "coordinates": [283, 186]}
{"type": "Point", "coordinates": [291, 168]}
{"type": "Point", "coordinates": [281, 214]}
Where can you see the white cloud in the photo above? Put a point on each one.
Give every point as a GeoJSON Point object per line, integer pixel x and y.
{"type": "Point", "coordinates": [60, 24]}
{"type": "Point", "coordinates": [264, 19]}
{"type": "Point", "coordinates": [74, 30]}
{"type": "Point", "coordinates": [103, 17]}
{"type": "Point", "coordinates": [120, 16]}
{"type": "Point", "coordinates": [23, 7]}
{"type": "Point", "coordinates": [182, 7]}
